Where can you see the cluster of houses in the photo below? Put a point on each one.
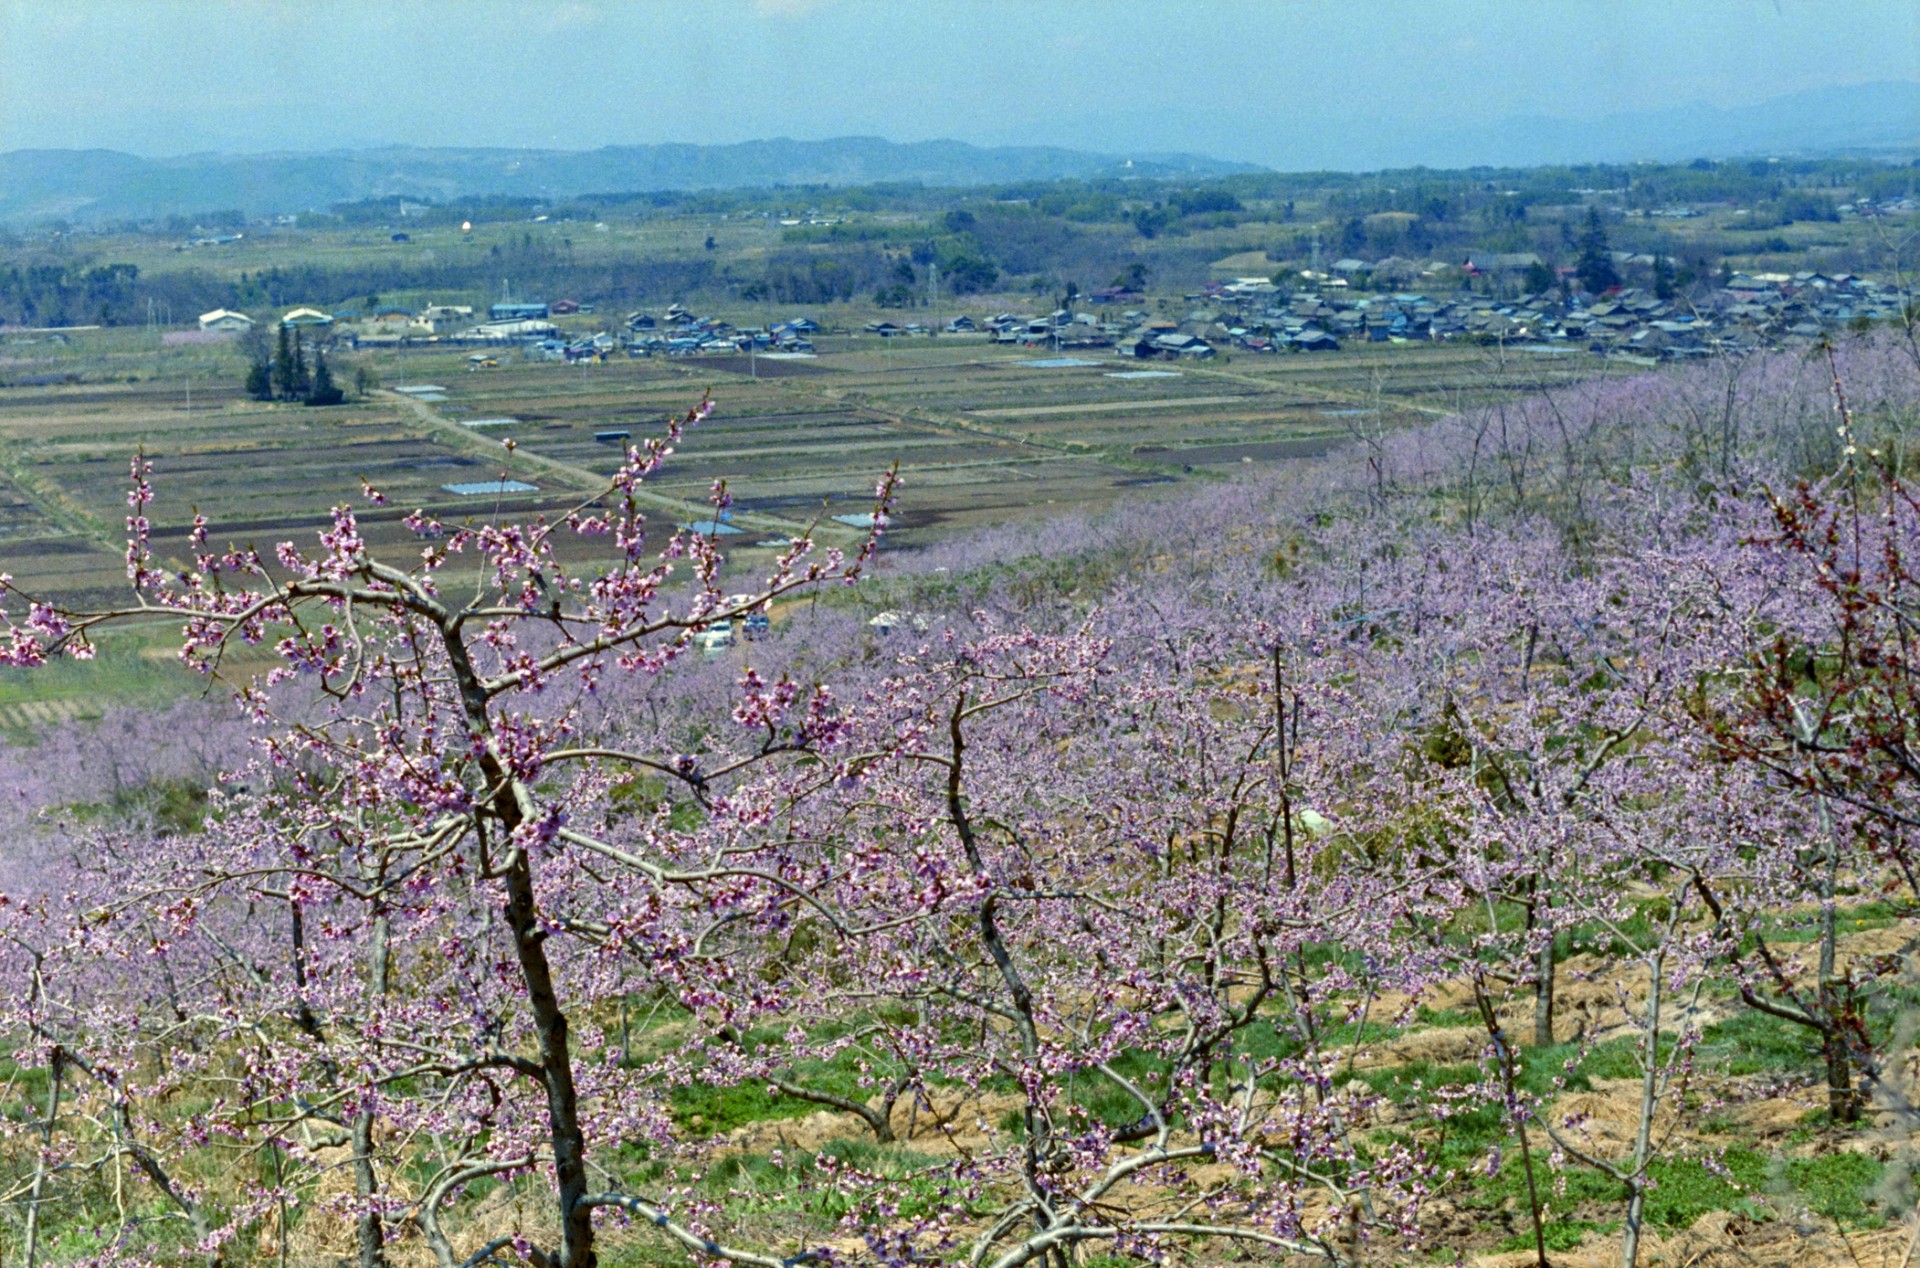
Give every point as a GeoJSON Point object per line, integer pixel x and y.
{"type": "Point", "coordinates": [393, 326]}
{"type": "Point", "coordinates": [1745, 312]}
{"type": "Point", "coordinates": [679, 332]}
{"type": "Point", "coordinates": [1059, 329]}
{"type": "Point", "coordinates": [529, 325]}
{"type": "Point", "coordinates": [1765, 307]}
{"type": "Point", "coordinates": [1063, 330]}
{"type": "Point", "coordinates": [1252, 314]}
{"type": "Point", "coordinates": [1868, 208]}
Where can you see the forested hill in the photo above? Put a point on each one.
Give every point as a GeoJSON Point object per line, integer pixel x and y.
{"type": "Point", "coordinates": [98, 184]}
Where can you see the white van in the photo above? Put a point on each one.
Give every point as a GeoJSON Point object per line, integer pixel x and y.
{"type": "Point", "coordinates": [715, 638]}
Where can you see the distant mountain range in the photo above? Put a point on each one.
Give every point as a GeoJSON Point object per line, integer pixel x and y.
{"type": "Point", "coordinates": [1857, 118]}
{"type": "Point", "coordinates": [106, 184]}
{"type": "Point", "coordinates": [91, 185]}
{"type": "Point", "coordinates": [1862, 118]}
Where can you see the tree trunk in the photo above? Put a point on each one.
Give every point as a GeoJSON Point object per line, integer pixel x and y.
{"type": "Point", "coordinates": [1509, 1078]}
{"type": "Point", "coordinates": [551, 1029]}
{"type": "Point", "coordinates": [556, 1061]}
{"type": "Point", "coordinates": [1539, 922]}
{"type": "Point", "coordinates": [38, 1192]}
{"type": "Point", "coordinates": [1842, 1105]}
{"type": "Point", "coordinates": [1544, 968]}
{"type": "Point", "coordinates": [1630, 1239]}
{"type": "Point", "coordinates": [366, 1184]}
{"type": "Point", "coordinates": [373, 1253]}
{"type": "Point", "coordinates": [1649, 1102]}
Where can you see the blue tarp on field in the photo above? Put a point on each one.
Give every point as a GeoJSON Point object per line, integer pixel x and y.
{"type": "Point", "coordinates": [481, 488]}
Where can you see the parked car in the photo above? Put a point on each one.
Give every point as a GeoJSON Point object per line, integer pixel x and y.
{"type": "Point", "coordinates": [715, 638]}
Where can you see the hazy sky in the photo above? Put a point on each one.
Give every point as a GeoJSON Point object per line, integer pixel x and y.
{"type": "Point", "coordinates": [162, 77]}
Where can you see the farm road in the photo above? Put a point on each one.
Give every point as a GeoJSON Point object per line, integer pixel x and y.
{"type": "Point", "coordinates": [586, 480]}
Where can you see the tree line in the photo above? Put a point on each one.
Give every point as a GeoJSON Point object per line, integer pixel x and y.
{"type": "Point", "coordinates": [293, 370]}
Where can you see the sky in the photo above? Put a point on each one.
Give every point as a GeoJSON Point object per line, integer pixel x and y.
{"type": "Point", "coordinates": [1219, 77]}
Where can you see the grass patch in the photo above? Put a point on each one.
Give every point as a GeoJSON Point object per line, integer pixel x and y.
{"type": "Point", "coordinates": [1561, 1234]}
{"type": "Point", "coordinates": [178, 805]}
{"type": "Point", "coordinates": [1445, 1017]}
{"type": "Point", "coordinates": [797, 1183]}
{"type": "Point", "coordinates": [1401, 1083]}
{"type": "Point", "coordinates": [1839, 1186]}
{"type": "Point", "coordinates": [1753, 1042]}
{"type": "Point", "coordinates": [1510, 1186]}
{"type": "Point", "coordinates": [1622, 940]}
{"type": "Point", "coordinates": [1876, 913]}
{"type": "Point", "coordinates": [1685, 1189]}
{"type": "Point", "coordinates": [714, 1108]}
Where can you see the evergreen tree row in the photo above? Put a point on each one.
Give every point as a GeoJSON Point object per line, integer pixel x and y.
{"type": "Point", "coordinates": [285, 374]}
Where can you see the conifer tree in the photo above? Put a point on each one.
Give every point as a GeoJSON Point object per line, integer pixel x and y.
{"type": "Point", "coordinates": [1595, 268]}
{"type": "Point", "coordinates": [286, 382]}
{"type": "Point", "coordinates": [302, 379]}
{"type": "Point", "coordinates": [324, 390]}
{"type": "Point", "coordinates": [1662, 277]}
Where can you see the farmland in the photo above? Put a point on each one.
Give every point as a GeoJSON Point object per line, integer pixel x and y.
{"type": "Point", "coordinates": [982, 434]}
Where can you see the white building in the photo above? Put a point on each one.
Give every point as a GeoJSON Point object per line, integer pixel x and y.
{"type": "Point", "coordinates": [225, 321]}
{"type": "Point", "coordinates": [441, 318]}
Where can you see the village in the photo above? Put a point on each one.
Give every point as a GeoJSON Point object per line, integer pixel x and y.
{"type": "Point", "coordinates": [1481, 300]}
